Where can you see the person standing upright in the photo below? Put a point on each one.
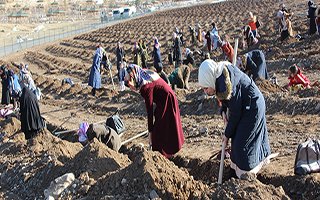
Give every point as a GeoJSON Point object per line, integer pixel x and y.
{"type": "Point", "coordinates": [253, 24]}
{"type": "Point", "coordinates": [120, 56]}
{"type": "Point", "coordinates": [95, 76]}
{"type": "Point", "coordinates": [176, 50]}
{"type": "Point", "coordinates": [4, 73]}
{"type": "Point", "coordinates": [312, 17]}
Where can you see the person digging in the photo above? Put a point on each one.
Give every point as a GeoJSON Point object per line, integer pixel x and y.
{"type": "Point", "coordinates": [245, 120]}
{"type": "Point", "coordinates": [104, 134]}
{"type": "Point", "coordinates": [180, 77]}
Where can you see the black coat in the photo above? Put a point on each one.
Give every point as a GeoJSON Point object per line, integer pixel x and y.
{"type": "Point", "coordinates": [177, 50]}
{"type": "Point", "coordinates": [157, 58]}
{"type": "Point", "coordinates": [256, 65]}
{"type": "Point", "coordinates": [31, 120]}
{"type": "Point", "coordinates": [189, 60]}
{"type": "Point", "coordinates": [5, 99]}
{"type": "Point", "coordinates": [120, 56]}
{"type": "Point", "coordinates": [312, 16]}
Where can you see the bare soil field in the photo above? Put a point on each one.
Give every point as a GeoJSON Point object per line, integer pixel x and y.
{"type": "Point", "coordinates": [28, 167]}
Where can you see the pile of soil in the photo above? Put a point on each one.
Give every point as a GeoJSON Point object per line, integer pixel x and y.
{"type": "Point", "coordinates": [292, 105]}
{"type": "Point", "coordinates": [151, 171]}
{"type": "Point", "coordinates": [243, 189]}
{"type": "Point", "coordinates": [311, 92]}
{"type": "Point", "coordinates": [28, 167]}
{"type": "Point", "coordinates": [266, 86]}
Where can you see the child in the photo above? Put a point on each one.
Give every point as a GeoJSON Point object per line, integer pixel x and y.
{"type": "Point", "coordinates": [297, 79]}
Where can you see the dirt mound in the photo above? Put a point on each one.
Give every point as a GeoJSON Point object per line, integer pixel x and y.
{"type": "Point", "coordinates": [10, 126]}
{"type": "Point", "coordinates": [266, 86]}
{"type": "Point", "coordinates": [54, 146]}
{"type": "Point", "coordinates": [149, 172]}
{"type": "Point", "coordinates": [311, 92]}
{"type": "Point", "coordinates": [292, 105]}
{"type": "Point", "coordinates": [206, 171]}
{"type": "Point", "coordinates": [97, 159]}
{"type": "Point", "coordinates": [196, 102]}
{"type": "Point", "coordinates": [298, 187]}
{"type": "Point", "coordinates": [242, 189]}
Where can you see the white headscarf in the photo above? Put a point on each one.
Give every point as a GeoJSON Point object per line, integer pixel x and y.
{"type": "Point", "coordinates": [209, 71]}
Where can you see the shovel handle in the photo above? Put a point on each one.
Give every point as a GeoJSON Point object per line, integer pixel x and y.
{"type": "Point", "coordinates": [223, 150]}
{"type": "Point", "coordinates": [134, 137]}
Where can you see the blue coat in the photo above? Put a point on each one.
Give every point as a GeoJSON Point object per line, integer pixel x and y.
{"type": "Point", "coordinates": [14, 85]}
{"type": "Point", "coordinates": [247, 126]}
{"type": "Point", "coordinates": [95, 77]}
{"type": "Point", "coordinates": [256, 65]}
{"type": "Point", "coordinates": [156, 58]}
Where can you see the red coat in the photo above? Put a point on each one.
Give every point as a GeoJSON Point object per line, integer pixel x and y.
{"type": "Point", "coordinates": [167, 133]}
{"type": "Point", "coordinates": [299, 78]}
{"type": "Point", "coordinates": [228, 50]}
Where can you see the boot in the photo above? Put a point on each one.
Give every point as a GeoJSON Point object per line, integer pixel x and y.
{"type": "Point", "coordinates": [186, 76]}
{"type": "Point", "coordinates": [93, 91]}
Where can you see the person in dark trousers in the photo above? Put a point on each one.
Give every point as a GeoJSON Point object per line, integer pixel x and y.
{"type": "Point", "coordinates": [95, 75]}
{"type": "Point", "coordinates": [176, 50]}
{"type": "Point", "coordinates": [318, 19]}
{"type": "Point", "coordinates": [254, 65]}
{"type": "Point", "coordinates": [164, 122]}
{"type": "Point", "coordinates": [157, 55]}
{"type": "Point", "coordinates": [31, 120]}
{"type": "Point", "coordinates": [209, 42]}
{"type": "Point", "coordinates": [192, 34]}
{"type": "Point", "coordinates": [189, 57]}
{"type": "Point", "coordinates": [243, 110]}
{"type": "Point", "coordinates": [120, 57]}
{"type": "Point", "coordinates": [312, 17]}
{"type": "Point", "coordinates": [4, 73]}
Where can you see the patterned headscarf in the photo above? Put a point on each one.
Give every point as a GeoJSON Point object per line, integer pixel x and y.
{"type": "Point", "coordinates": [137, 77]}
{"type": "Point", "coordinates": [82, 132]}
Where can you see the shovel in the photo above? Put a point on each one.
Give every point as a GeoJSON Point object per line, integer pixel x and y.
{"type": "Point", "coordinates": [223, 145]}
{"type": "Point", "coordinates": [72, 115]}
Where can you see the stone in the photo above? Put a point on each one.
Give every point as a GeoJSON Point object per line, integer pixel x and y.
{"type": "Point", "coordinates": [123, 181]}
{"type": "Point", "coordinates": [203, 130]}
{"type": "Point", "coordinates": [84, 189]}
{"type": "Point", "coordinates": [58, 185]}
{"type": "Point", "coordinates": [91, 181]}
{"type": "Point", "coordinates": [84, 177]}
{"type": "Point", "coordinates": [153, 195]}
{"type": "Point", "coordinates": [248, 176]}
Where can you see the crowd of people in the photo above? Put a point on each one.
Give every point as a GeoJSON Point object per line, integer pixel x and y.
{"type": "Point", "coordinates": [232, 82]}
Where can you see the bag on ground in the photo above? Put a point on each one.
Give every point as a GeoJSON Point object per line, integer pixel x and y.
{"type": "Point", "coordinates": [116, 123]}
{"type": "Point", "coordinates": [307, 158]}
